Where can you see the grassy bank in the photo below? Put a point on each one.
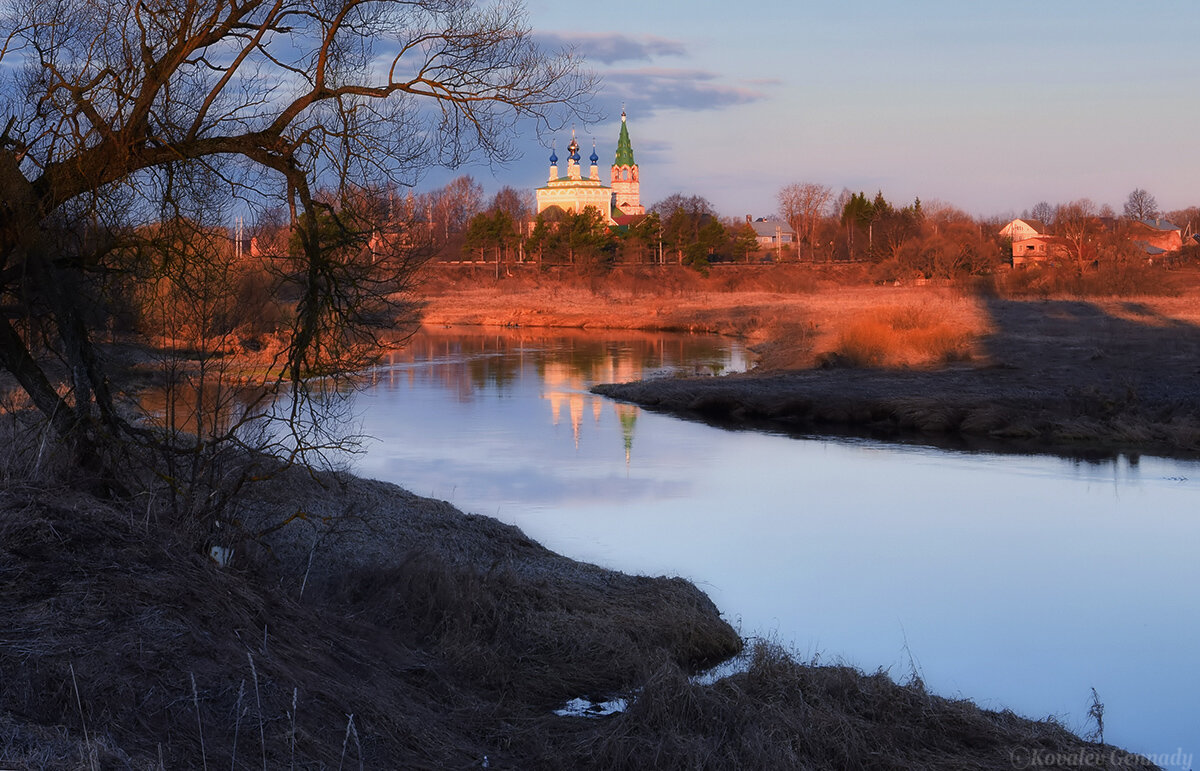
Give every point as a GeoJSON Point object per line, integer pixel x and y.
{"type": "Point", "coordinates": [448, 637]}
{"type": "Point", "coordinates": [383, 630]}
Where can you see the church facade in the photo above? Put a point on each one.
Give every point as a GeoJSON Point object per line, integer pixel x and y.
{"type": "Point", "coordinates": [574, 193]}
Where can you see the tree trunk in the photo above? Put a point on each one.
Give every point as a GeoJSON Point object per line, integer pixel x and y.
{"type": "Point", "coordinates": [15, 357]}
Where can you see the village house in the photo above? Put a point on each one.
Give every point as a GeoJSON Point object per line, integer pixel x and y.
{"type": "Point", "coordinates": [1022, 229]}
{"type": "Point", "coordinates": [772, 234]}
{"type": "Point", "coordinates": [1031, 241]}
{"type": "Point", "coordinates": [1039, 248]}
{"type": "Point", "coordinates": [1155, 234]}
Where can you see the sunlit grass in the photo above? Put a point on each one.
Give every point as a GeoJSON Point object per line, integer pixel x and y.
{"type": "Point", "coordinates": [904, 336]}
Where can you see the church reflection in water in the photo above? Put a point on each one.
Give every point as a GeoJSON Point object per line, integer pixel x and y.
{"type": "Point", "coordinates": [475, 363]}
{"type": "Point", "coordinates": [567, 388]}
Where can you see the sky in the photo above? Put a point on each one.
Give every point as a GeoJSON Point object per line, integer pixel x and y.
{"type": "Point", "coordinates": [989, 107]}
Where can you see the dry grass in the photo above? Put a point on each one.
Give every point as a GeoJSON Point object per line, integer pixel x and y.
{"type": "Point", "coordinates": [1063, 375]}
{"type": "Point", "coordinates": [798, 317]}
{"type": "Point", "coordinates": [792, 315]}
{"type": "Point", "coordinates": [124, 650]}
{"type": "Point", "coordinates": [109, 616]}
{"type": "Point", "coordinates": [902, 336]}
{"type": "Point", "coordinates": [783, 714]}
{"type": "Point", "coordinates": [1129, 278]}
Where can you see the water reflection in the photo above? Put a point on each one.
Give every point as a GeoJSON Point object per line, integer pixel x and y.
{"type": "Point", "coordinates": [1016, 581]}
{"type": "Point", "coordinates": [204, 408]}
{"type": "Point", "coordinates": [560, 365]}
{"type": "Point", "coordinates": [469, 360]}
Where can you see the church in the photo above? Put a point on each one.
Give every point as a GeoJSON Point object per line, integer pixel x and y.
{"type": "Point", "coordinates": [619, 203]}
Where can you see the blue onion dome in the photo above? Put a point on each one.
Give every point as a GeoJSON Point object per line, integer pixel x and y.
{"type": "Point", "coordinates": [595, 158]}
{"type": "Point", "coordinates": [553, 156]}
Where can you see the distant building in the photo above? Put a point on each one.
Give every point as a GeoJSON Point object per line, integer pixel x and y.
{"type": "Point", "coordinates": [574, 193]}
{"type": "Point", "coordinates": [1031, 243]}
{"type": "Point", "coordinates": [1039, 248]}
{"type": "Point", "coordinates": [1158, 234]}
{"type": "Point", "coordinates": [627, 188]}
{"type": "Point", "coordinates": [772, 234]}
{"type": "Point", "coordinates": [1019, 230]}
{"type": "Point", "coordinates": [1152, 252]}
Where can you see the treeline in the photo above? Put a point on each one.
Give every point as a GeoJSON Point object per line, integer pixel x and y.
{"type": "Point", "coordinates": [903, 240]}
{"type": "Point", "coordinates": [900, 241]}
{"type": "Point", "coordinates": [893, 241]}
{"type": "Point", "coordinates": [458, 223]}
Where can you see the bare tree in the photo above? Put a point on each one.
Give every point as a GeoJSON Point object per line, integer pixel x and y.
{"type": "Point", "coordinates": [695, 206]}
{"type": "Point", "coordinates": [517, 204]}
{"type": "Point", "coordinates": [1077, 223]}
{"type": "Point", "coordinates": [456, 203]}
{"type": "Point", "coordinates": [803, 206]}
{"type": "Point", "coordinates": [1043, 212]}
{"type": "Point", "coordinates": [1141, 205]}
{"type": "Point", "coordinates": [132, 123]}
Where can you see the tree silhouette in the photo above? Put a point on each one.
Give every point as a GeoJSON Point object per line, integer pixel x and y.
{"type": "Point", "coordinates": [1141, 205]}
{"type": "Point", "coordinates": [135, 129]}
{"type": "Point", "coordinates": [803, 206]}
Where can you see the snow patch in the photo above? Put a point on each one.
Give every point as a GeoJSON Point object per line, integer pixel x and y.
{"type": "Point", "coordinates": [589, 708]}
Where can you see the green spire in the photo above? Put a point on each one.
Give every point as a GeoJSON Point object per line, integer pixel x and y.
{"type": "Point", "coordinates": [624, 148]}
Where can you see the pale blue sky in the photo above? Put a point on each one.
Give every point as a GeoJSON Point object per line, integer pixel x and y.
{"type": "Point", "coordinates": [990, 107]}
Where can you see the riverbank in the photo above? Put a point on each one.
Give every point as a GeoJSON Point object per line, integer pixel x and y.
{"type": "Point", "coordinates": [387, 630]}
{"type": "Point", "coordinates": [380, 628]}
{"type": "Point", "coordinates": [966, 367]}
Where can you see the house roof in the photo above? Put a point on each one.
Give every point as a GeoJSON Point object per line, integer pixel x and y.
{"type": "Point", "coordinates": [1037, 225]}
{"type": "Point", "coordinates": [1043, 239]}
{"type": "Point", "coordinates": [628, 220]}
{"type": "Point", "coordinates": [768, 227]}
{"type": "Point", "coordinates": [1145, 246]}
{"type": "Point", "coordinates": [1158, 224]}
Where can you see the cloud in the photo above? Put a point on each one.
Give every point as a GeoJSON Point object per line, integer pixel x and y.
{"type": "Point", "coordinates": [655, 88]}
{"type": "Point", "coordinates": [610, 48]}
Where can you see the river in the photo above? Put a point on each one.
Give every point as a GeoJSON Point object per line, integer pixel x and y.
{"type": "Point", "coordinates": [1016, 581]}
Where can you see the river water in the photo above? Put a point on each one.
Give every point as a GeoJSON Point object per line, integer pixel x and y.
{"type": "Point", "coordinates": [1018, 582]}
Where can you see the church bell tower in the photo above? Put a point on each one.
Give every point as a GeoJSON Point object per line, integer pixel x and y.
{"type": "Point", "coordinates": [627, 196]}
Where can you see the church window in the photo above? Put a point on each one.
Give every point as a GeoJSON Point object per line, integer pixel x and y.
{"type": "Point", "coordinates": [624, 173]}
